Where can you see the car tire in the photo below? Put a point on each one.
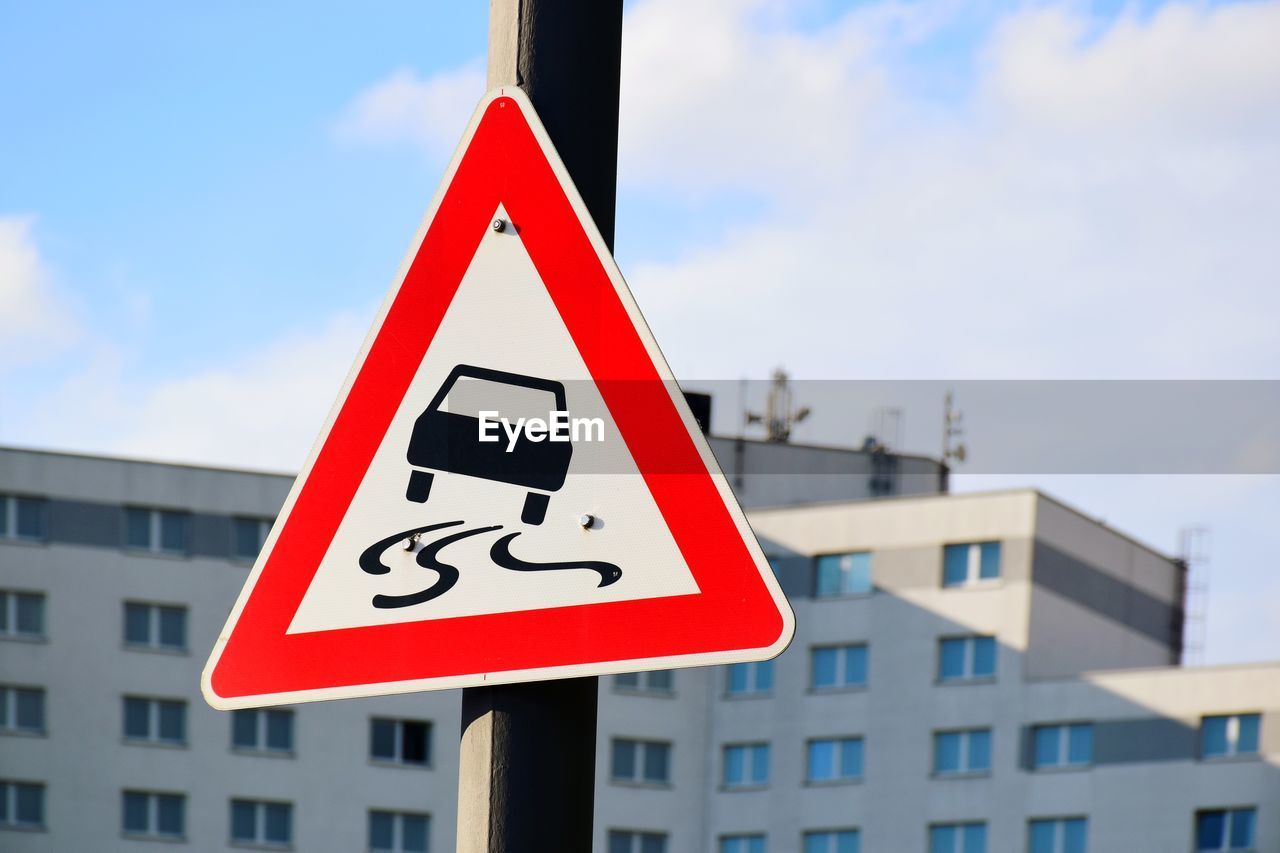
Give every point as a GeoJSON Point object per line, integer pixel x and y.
{"type": "Point", "coordinates": [419, 486]}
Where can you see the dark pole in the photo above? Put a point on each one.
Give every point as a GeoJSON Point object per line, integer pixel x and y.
{"type": "Point", "coordinates": [527, 772]}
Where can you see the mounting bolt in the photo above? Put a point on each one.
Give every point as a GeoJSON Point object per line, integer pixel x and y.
{"type": "Point", "coordinates": [412, 542]}
{"type": "Point", "coordinates": [587, 521]}
{"type": "Point", "coordinates": [499, 225]}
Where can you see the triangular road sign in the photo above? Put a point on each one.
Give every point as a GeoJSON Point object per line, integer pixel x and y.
{"type": "Point", "coordinates": [436, 540]}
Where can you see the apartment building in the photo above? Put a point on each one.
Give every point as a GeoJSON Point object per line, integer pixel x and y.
{"type": "Point", "coordinates": [971, 674]}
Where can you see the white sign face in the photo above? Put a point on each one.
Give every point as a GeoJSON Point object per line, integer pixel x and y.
{"type": "Point", "coordinates": [501, 290]}
{"type": "Point", "coordinates": [510, 486]}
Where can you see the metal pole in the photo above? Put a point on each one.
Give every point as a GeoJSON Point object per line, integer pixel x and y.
{"type": "Point", "coordinates": [526, 780]}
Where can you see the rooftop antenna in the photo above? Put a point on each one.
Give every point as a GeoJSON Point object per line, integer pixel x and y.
{"type": "Point", "coordinates": [779, 417]}
{"type": "Point", "coordinates": [1193, 551]}
{"type": "Point", "coordinates": [884, 431]}
{"type": "Point", "coordinates": [952, 431]}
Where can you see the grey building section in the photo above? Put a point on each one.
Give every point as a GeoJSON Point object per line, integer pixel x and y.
{"type": "Point", "coordinates": [1077, 619]}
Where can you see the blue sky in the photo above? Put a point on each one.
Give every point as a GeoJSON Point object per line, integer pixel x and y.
{"type": "Point", "coordinates": [200, 208]}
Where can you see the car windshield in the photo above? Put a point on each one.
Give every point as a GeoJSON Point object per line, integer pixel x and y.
{"type": "Point", "coordinates": [469, 396]}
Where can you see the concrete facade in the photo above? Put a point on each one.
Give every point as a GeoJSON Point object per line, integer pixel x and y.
{"type": "Point", "coordinates": [1085, 629]}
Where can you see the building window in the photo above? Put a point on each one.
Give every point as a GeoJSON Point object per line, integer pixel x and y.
{"type": "Point", "coordinates": [1067, 745]}
{"type": "Point", "coordinates": [155, 626]}
{"type": "Point", "coordinates": [657, 681]}
{"type": "Point", "coordinates": [398, 832]}
{"type": "Point", "coordinates": [961, 753]}
{"type": "Point", "coordinates": [405, 742]}
{"type": "Point", "coordinates": [838, 667]}
{"type": "Point", "coordinates": [248, 535]}
{"type": "Point", "coordinates": [1058, 835]}
{"type": "Point", "coordinates": [154, 815]}
{"type": "Point", "coordinates": [843, 574]}
{"type": "Point", "coordinates": [1229, 735]}
{"type": "Point", "coordinates": [958, 838]}
{"type": "Point", "coordinates": [628, 841]}
{"type": "Point", "coordinates": [21, 805]}
{"type": "Point", "coordinates": [261, 823]}
{"type": "Point", "coordinates": [832, 841]}
{"type": "Point", "coordinates": [971, 563]}
{"type": "Point", "coordinates": [22, 615]}
{"type": "Point", "coordinates": [1225, 829]}
{"type": "Point", "coordinates": [754, 843]}
{"type": "Point", "coordinates": [157, 721]}
{"type": "Point", "coordinates": [835, 760]}
{"type": "Point", "coordinates": [643, 761]}
{"type": "Point", "coordinates": [263, 730]}
{"type": "Point", "coordinates": [21, 710]}
{"type": "Point", "coordinates": [749, 679]}
{"type": "Point", "coordinates": [746, 765]}
{"type": "Point", "coordinates": [157, 530]}
{"type": "Point", "coordinates": [966, 658]}
{"type": "Point", "coordinates": [23, 518]}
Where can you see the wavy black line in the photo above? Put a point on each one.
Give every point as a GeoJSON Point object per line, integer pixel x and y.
{"type": "Point", "coordinates": [501, 555]}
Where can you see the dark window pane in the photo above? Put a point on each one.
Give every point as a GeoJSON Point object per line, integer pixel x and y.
{"type": "Point", "coordinates": [280, 730]}
{"type": "Point", "coordinates": [173, 532]}
{"type": "Point", "coordinates": [979, 751]}
{"type": "Point", "coordinates": [830, 580]}
{"type": "Point", "coordinates": [764, 676]}
{"type": "Point", "coordinates": [382, 739]}
{"type": "Point", "coordinates": [1242, 829]}
{"type": "Point", "coordinates": [169, 814]}
{"type": "Point", "coordinates": [760, 764]}
{"type": "Point", "coordinates": [277, 823]}
{"type": "Point", "coordinates": [955, 565]}
{"type": "Point", "coordinates": [851, 759]}
{"type": "Point", "coordinates": [1080, 744]}
{"type": "Point", "coordinates": [847, 841]}
{"type": "Point", "coordinates": [413, 833]}
{"type": "Point", "coordinates": [4, 515]}
{"type": "Point", "coordinates": [29, 804]}
{"type": "Point", "coordinates": [381, 831]}
{"type": "Point", "coordinates": [137, 716]}
{"type": "Point", "coordinates": [652, 842]}
{"type": "Point", "coordinates": [29, 709]}
{"type": "Point", "coordinates": [1247, 740]}
{"type": "Point", "coordinates": [624, 759]}
{"type": "Point", "coordinates": [984, 657]}
{"type": "Point", "coordinates": [1211, 830]}
{"type": "Point", "coordinates": [137, 624]}
{"type": "Point", "coordinates": [173, 721]}
{"type": "Point", "coordinates": [946, 752]}
{"type": "Point", "coordinates": [951, 654]}
{"type": "Point", "coordinates": [855, 666]}
{"type": "Point", "coordinates": [655, 762]}
{"type": "Point", "coordinates": [135, 812]}
{"type": "Point", "coordinates": [416, 749]}
{"type": "Point", "coordinates": [244, 820]}
{"type": "Point", "coordinates": [247, 543]}
{"type": "Point", "coordinates": [1075, 836]}
{"type": "Point", "coordinates": [1045, 745]}
{"type": "Point", "coordinates": [244, 729]}
{"type": "Point", "coordinates": [735, 765]}
{"type": "Point", "coordinates": [975, 838]}
{"type": "Point", "coordinates": [989, 560]}
{"type": "Point", "coordinates": [660, 680]}
{"type": "Point", "coordinates": [822, 760]}
{"type": "Point", "coordinates": [30, 521]}
{"type": "Point", "coordinates": [619, 842]}
{"type": "Point", "coordinates": [137, 528]}
{"type": "Point", "coordinates": [627, 679]}
{"type": "Point", "coordinates": [4, 609]}
{"type": "Point", "coordinates": [738, 677]}
{"type": "Point", "coordinates": [30, 613]}
{"type": "Point", "coordinates": [173, 627]}
{"type": "Point", "coordinates": [824, 667]}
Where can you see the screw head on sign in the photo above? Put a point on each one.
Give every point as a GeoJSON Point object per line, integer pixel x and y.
{"type": "Point", "coordinates": [499, 225]}
{"type": "Point", "coordinates": [587, 521]}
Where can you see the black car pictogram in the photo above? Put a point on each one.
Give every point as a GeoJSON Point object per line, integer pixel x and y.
{"type": "Point", "coordinates": [450, 441]}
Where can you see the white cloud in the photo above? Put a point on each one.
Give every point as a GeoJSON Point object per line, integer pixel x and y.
{"type": "Point", "coordinates": [404, 107]}
{"type": "Point", "coordinates": [262, 410]}
{"type": "Point", "coordinates": [34, 320]}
